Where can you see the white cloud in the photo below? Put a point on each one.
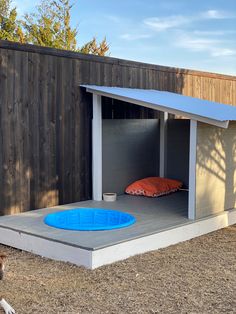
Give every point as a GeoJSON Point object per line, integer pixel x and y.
{"type": "Point", "coordinates": [223, 52]}
{"type": "Point", "coordinates": [196, 44]}
{"type": "Point", "coordinates": [214, 33]}
{"type": "Point", "coordinates": [131, 37]}
{"type": "Point", "coordinates": [214, 47]}
{"type": "Point", "coordinates": [162, 24]}
{"type": "Point", "coordinates": [113, 18]}
{"type": "Point", "coordinates": [216, 14]}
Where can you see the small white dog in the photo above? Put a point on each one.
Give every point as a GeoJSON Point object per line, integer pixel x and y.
{"type": "Point", "coordinates": [7, 308]}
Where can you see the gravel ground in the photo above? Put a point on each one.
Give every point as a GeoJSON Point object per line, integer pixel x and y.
{"type": "Point", "coordinates": [197, 276]}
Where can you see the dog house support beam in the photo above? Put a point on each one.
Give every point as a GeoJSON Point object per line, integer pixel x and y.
{"type": "Point", "coordinates": [97, 148]}
{"type": "Point", "coordinates": [163, 135]}
{"type": "Point", "coordinates": [192, 170]}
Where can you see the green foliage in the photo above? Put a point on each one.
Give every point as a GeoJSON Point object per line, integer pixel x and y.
{"type": "Point", "coordinates": [4, 7]}
{"type": "Point", "coordinates": [49, 26]}
{"type": "Point", "coordinates": [10, 28]}
{"type": "Point", "coordinates": [95, 48]}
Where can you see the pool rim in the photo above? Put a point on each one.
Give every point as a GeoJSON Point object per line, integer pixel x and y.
{"type": "Point", "coordinates": [131, 222]}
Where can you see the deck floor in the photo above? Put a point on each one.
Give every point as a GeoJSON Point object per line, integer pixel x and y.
{"type": "Point", "coordinates": [152, 214]}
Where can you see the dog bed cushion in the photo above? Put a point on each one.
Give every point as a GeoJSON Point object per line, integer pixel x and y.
{"type": "Point", "coordinates": [153, 187]}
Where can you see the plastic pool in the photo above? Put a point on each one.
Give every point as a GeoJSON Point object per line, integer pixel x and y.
{"type": "Point", "coordinates": [90, 219]}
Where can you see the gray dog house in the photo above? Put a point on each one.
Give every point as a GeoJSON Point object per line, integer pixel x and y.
{"type": "Point", "coordinates": [204, 144]}
{"type": "Point", "coordinates": [200, 150]}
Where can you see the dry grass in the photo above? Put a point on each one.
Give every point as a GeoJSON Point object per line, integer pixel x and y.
{"type": "Point", "coordinates": [197, 276]}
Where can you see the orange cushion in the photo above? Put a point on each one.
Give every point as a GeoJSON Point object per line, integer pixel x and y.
{"type": "Point", "coordinates": [153, 187]}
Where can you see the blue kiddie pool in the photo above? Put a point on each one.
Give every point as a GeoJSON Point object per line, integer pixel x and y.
{"type": "Point", "coordinates": [89, 219]}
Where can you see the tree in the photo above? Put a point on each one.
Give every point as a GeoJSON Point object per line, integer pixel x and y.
{"type": "Point", "coordinates": [10, 28]}
{"type": "Point", "coordinates": [92, 47]}
{"type": "Point", "coordinates": [51, 26]}
{"type": "Point", "coordinates": [4, 7]}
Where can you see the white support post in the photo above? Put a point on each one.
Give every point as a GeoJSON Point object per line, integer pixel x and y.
{"type": "Point", "coordinates": [192, 170]}
{"type": "Point", "coordinates": [97, 148]}
{"type": "Point", "coordinates": [163, 151]}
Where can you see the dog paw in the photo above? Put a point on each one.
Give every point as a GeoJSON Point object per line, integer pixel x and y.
{"type": "Point", "coordinates": [7, 308]}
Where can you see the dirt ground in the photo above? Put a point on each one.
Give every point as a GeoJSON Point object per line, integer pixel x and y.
{"type": "Point", "coordinates": [197, 276]}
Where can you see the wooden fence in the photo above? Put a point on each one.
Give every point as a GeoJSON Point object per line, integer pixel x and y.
{"type": "Point", "coordinates": [45, 117]}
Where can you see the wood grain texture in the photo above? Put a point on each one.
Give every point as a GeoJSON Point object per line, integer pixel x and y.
{"type": "Point", "coordinates": [45, 117]}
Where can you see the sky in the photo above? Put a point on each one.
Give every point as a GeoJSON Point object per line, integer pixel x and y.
{"type": "Point", "coordinates": [190, 34]}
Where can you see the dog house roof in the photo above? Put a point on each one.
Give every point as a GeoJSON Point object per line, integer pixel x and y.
{"type": "Point", "coordinates": [193, 108]}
